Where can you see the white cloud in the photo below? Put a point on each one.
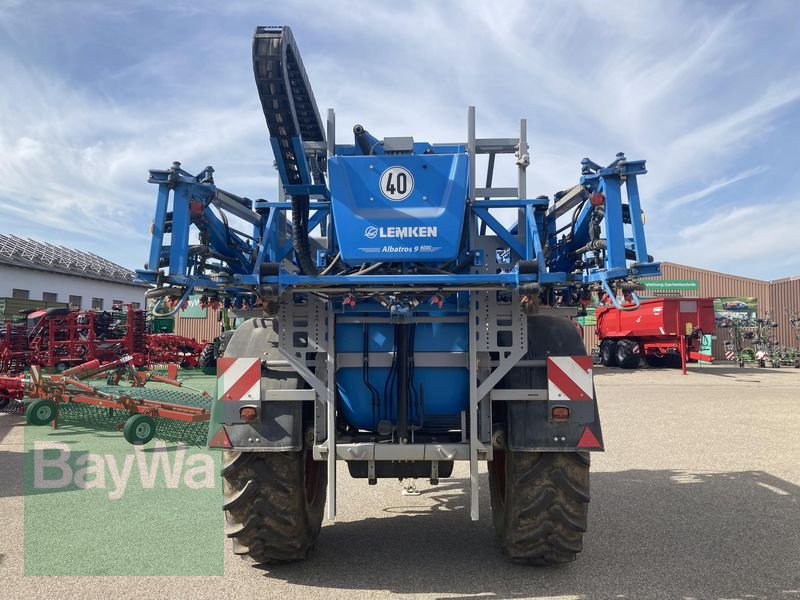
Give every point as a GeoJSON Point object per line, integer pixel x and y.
{"type": "Point", "coordinates": [751, 240]}
{"type": "Point", "coordinates": [690, 88]}
{"type": "Point", "coordinates": [714, 187]}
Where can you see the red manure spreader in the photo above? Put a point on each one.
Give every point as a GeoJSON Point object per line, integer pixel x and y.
{"type": "Point", "coordinates": [666, 332]}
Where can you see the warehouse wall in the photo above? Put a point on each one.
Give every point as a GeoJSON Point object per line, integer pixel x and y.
{"type": "Point", "coordinates": [199, 328]}
{"type": "Point", "coordinates": [785, 299]}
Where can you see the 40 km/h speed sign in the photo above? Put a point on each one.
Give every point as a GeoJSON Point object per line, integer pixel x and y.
{"type": "Point", "coordinates": [396, 183]}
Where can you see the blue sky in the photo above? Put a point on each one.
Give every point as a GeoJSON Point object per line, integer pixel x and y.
{"type": "Point", "coordinates": [96, 93]}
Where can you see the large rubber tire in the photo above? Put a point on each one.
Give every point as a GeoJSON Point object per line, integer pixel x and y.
{"type": "Point", "coordinates": [274, 503]}
{"type": "Point", "coordinates": [207, 359]}
{"type": "Point", "coordinates": [667, 361]}
{"type": "Point", "coordinates": [608, 350]}
{"type": "Point", "coordinates": [626, 357]}
{"type": "Point", "coordinates": [540, 499]}
{"type": "Point", "coordinates": [540, 502]}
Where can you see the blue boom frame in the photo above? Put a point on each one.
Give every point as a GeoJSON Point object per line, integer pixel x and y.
{"type": "Point", "coordinates": [231, 261]}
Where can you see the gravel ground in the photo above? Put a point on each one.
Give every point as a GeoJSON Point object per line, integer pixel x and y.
{"type": "Point", "coordinates": [696, 496]}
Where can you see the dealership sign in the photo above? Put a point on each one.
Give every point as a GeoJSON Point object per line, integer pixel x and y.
{"type": "Point", "coordinates": [671, 284]}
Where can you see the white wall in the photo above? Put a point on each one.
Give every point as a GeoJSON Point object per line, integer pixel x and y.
{"type": "Point", "coordinates": [65, 286]}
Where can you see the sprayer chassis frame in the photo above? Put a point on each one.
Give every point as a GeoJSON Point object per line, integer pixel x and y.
{"type": "Point", "coordinates": [321, 319]}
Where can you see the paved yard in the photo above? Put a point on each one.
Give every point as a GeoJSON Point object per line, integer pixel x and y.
{"type": "Point", "coordinates": [696, 496]}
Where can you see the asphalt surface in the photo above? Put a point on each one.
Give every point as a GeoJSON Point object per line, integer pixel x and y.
{"type": "Point", "coordinates": [696, 496]}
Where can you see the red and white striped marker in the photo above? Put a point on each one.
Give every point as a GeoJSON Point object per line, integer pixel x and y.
{"type": "Point", "coordinates": [569, 378]}
{"type": "Point", "coordinates": [238, 378]}
{"type": "Point", "coordinates": [730, 355]}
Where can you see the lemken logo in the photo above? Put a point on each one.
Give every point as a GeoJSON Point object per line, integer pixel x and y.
{"type": "Point", "coordinates": [400, 233]}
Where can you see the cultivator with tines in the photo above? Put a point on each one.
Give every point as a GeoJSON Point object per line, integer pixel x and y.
{"type": "Point", "coordinates": [165, 348]}
{"type": "Point", "coordinates": [141, 413]}
{"type": "Point", "coordinates": [59, 338]}
{"type": "Point", "coordinates": [12, 390]}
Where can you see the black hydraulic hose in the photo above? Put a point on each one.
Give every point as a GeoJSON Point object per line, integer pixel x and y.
{"type": "Point", "coordinates": [389, 378]}
{"type": "Point", "coordinates": [300, 242]}
{"type": "Point", "coordinates": [376, 397]}
{"type": "Point", "coordinates": [412, 388]}
{"type": "Point", "coordinates": [363, 140]}
{"type": "Point", "coordinates": [402, 384]}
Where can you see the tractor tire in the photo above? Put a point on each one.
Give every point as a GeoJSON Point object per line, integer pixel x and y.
{"type": "Point", "coordinates": [274, 504]}
{"type": "Point", "coordinates": [657, 362]}
{"type": "Point", "coordinates": [273, 501]}
{"type": "Point", "coordinates": [625, 356]}
{"type": "Point", "coordinates": [207, 360]}
{"type": "Point", "coordinates": [540, 500]}
{"type": "Point", "coordinates": [608, 349]}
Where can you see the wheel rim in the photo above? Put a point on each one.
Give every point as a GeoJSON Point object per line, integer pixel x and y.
{"type": "Point", "coordinates": [43, 413]}
{"type": "Point", "coordinates": [142, 430]}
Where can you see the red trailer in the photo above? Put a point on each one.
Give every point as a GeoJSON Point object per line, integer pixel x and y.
{"type": "Point", "coordinates": [663, 331]}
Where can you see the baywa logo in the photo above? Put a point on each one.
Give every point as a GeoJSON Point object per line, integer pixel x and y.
{"type": "Point", "coordinates": [400, 233]}
{"type": "Point", "coordinates": [112, 473]}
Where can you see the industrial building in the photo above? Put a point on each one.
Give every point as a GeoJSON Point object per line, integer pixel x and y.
{"type": "Point", "coordinates": [38, 274]}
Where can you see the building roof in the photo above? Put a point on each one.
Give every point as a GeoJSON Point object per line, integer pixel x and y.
{"type": "Point", "coordinates": [30, 254]}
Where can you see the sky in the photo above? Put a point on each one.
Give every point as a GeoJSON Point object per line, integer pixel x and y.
{"type": "Point", "coordinates": [95, 93]}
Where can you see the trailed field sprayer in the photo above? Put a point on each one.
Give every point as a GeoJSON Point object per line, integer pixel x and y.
{"type": "Point", "coordinates": [398, 325]}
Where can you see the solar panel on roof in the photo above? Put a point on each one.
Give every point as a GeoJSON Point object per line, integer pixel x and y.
{"type": "Point", "coordinates": [60, 258]}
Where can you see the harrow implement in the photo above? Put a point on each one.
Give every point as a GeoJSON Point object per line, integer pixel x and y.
{"type": "Point", "coordinates": [141, 413]}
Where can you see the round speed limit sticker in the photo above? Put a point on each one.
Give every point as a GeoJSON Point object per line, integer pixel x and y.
{"type": "Point", "coordinates": [396, 183]}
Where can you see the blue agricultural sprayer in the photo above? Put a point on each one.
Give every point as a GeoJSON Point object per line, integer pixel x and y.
{"type": "Point", "coordinates": [397, 323]}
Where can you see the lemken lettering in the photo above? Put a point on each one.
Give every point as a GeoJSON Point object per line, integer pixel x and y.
{"type": "Point", "coordinates": [408, 232]}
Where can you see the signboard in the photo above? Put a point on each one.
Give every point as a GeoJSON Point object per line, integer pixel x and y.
{"type": "Point", "coordinates": [671, 284]}
{"type": "Point", "coordinates": [193, 310]}
{"type": "Point", "coordinates": [735, 308]}
{"type": "Point", "coordinates": [706, 347]}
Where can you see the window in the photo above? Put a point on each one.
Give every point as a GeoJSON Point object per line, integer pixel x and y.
{"type": "Point", "coordinates": [49, 297]}
{"type": "Point", "coordinates": [75, 301]}
{"type": "Point", "coordinates": [20, 294]}
{"type": "Point", "coordinates": [116, 305]}
{"type": "Point", "coordinates": [136, 305]}
{"type": "Point", "coordinates": [97, 303]}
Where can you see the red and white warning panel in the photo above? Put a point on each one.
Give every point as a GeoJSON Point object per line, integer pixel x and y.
{"type": "Point", "coordinates": [239, 378]}
{"type": "Point", "coordinates": [569, 378]}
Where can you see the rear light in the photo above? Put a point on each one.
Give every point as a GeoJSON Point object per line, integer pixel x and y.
{"type": "Point", "coordinates": [559, 413]}
{"type": "Point", "coordinates": [597, 199]}
{"type": "Point", "coordinates": [248, 414]}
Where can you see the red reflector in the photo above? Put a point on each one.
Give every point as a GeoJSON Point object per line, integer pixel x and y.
{"type": "Point", "coordinates": [559, 413]}
{"type": "Point", "coordinates": [588, 439]}
{"type": "Point", "coordinates": [596, 199]}
{"type": "Point", "coordinates": [220, 440]}
{"type": "Point", "coordinates": [248, 413]}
